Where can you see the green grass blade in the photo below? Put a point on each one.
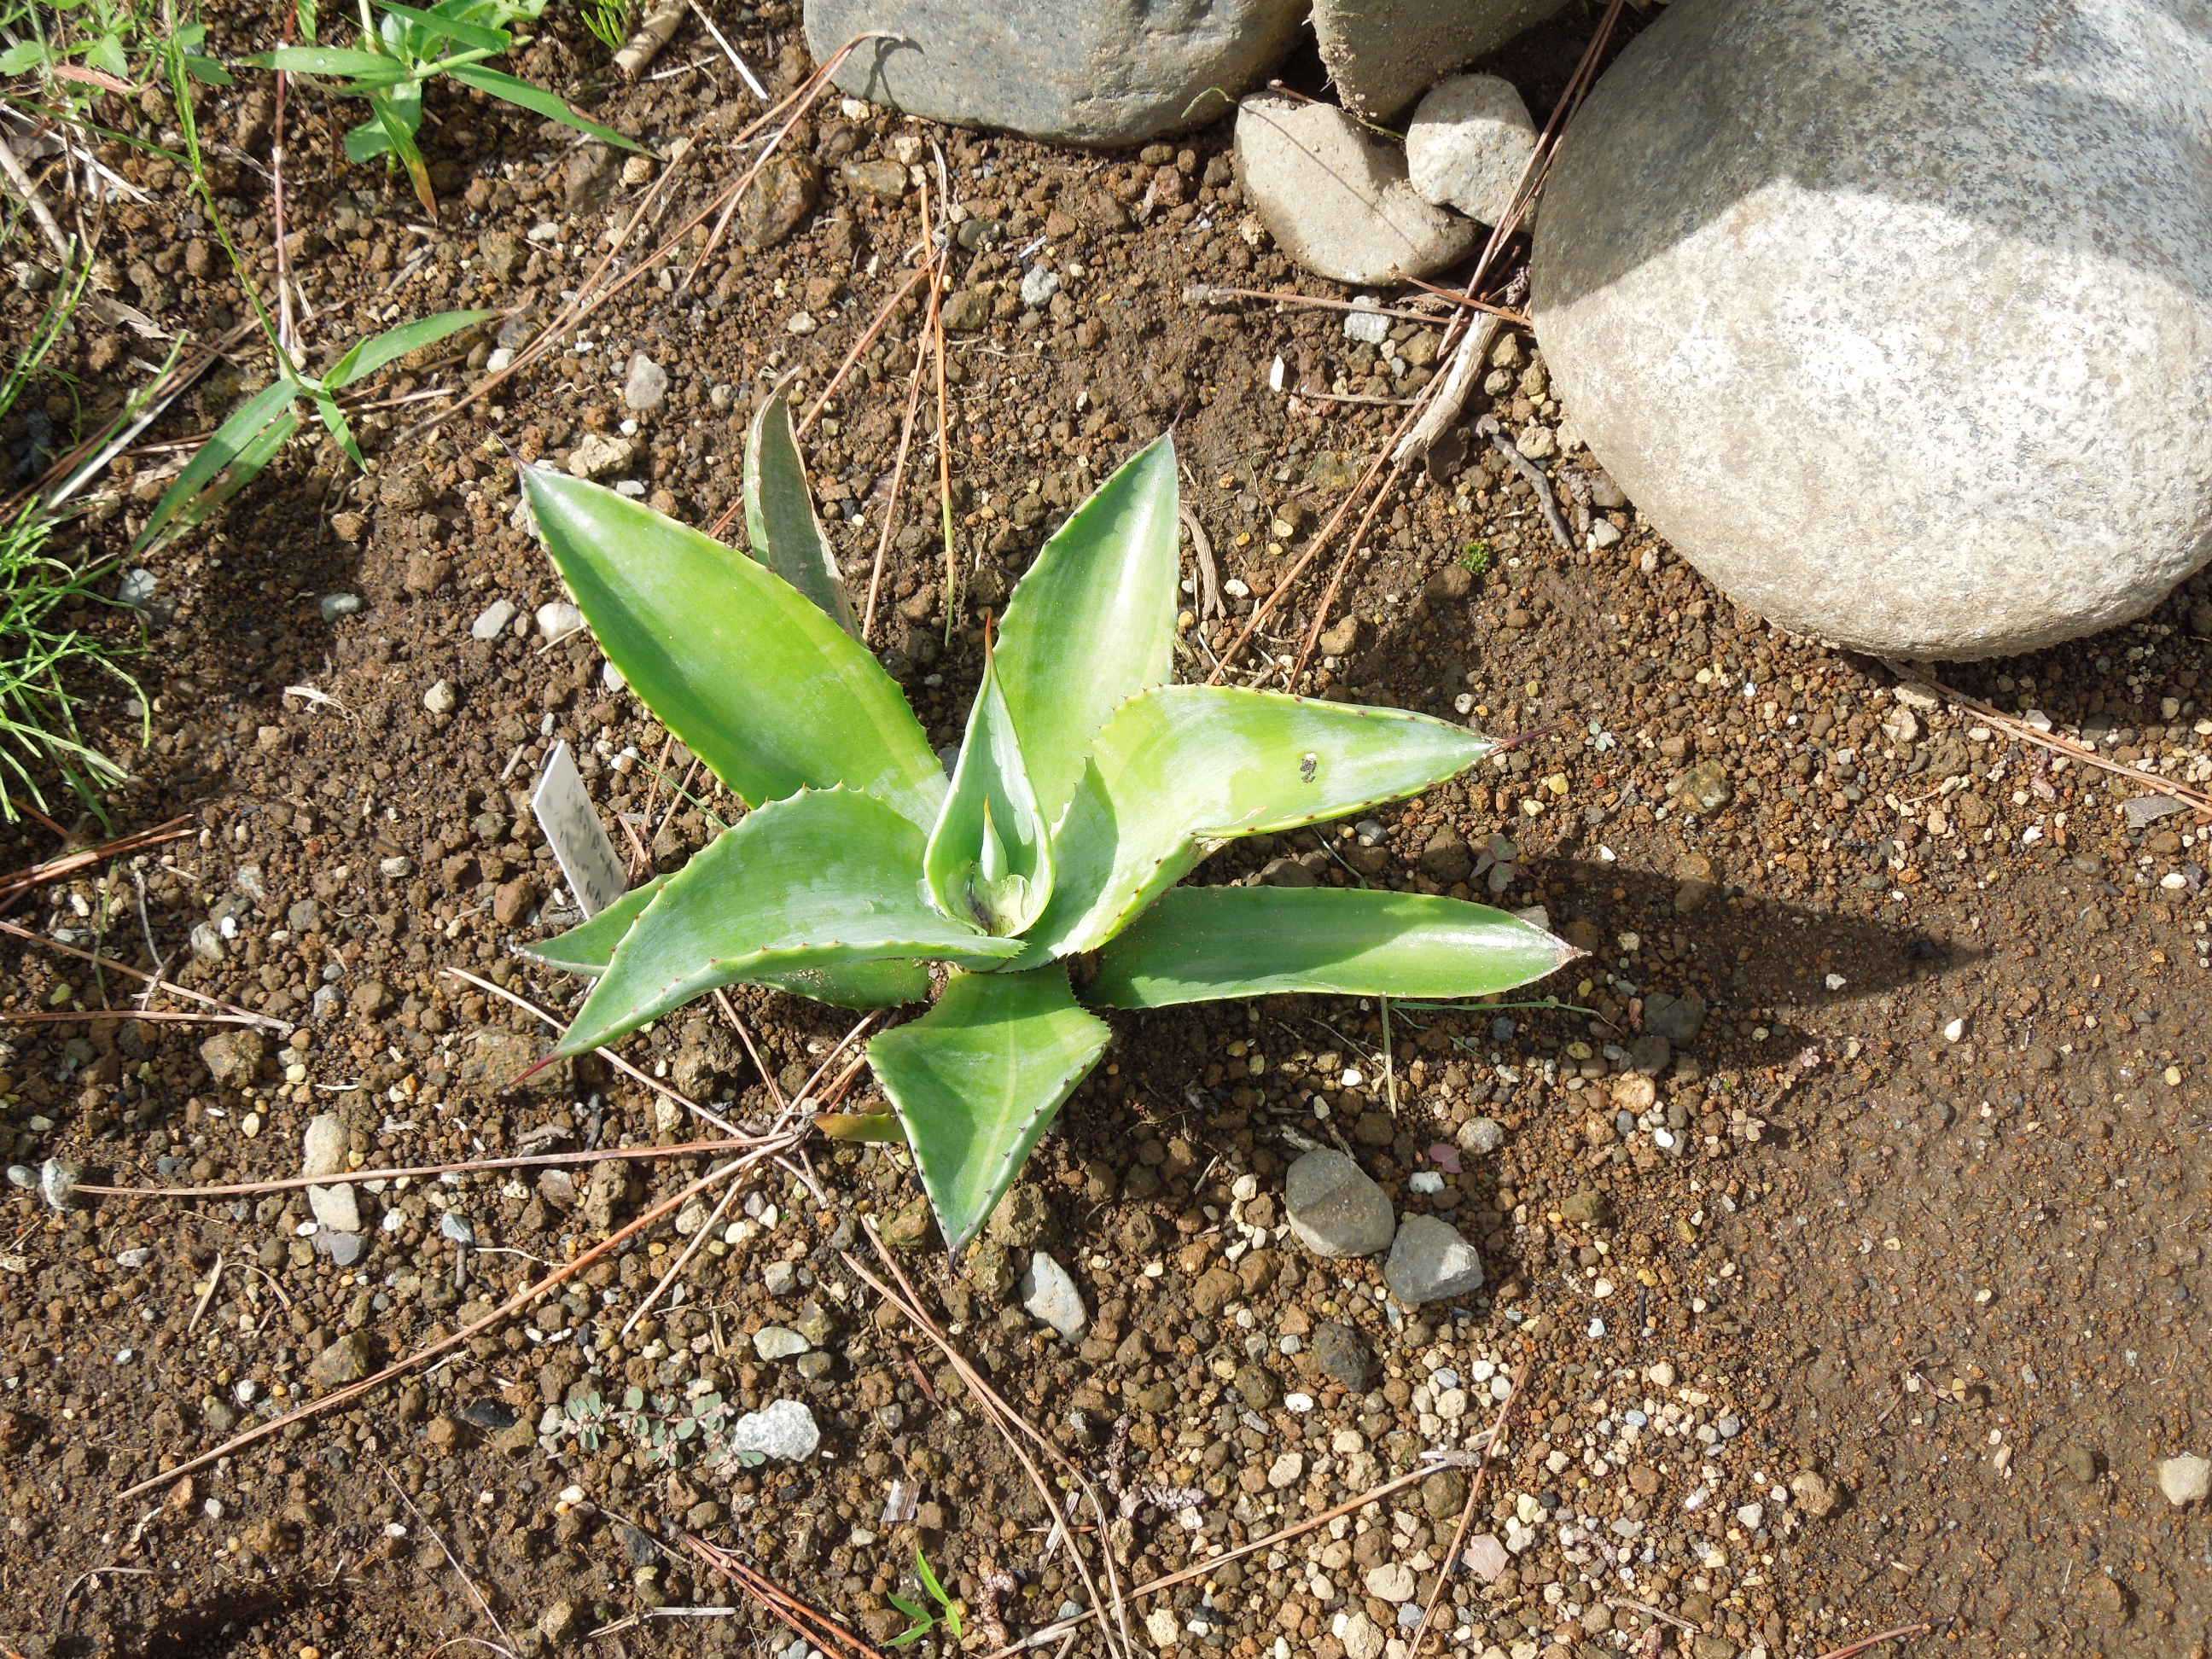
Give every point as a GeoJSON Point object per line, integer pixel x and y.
{"type": "Point", "coordinates": [818, 880]}
{"type": "Point", "coordinates": [400, 135]}
{"type": "Point", "coordinates": [587, 950]}
{"type": "Point", "coordinates": [768, 692]}
{"type": "Point", "coordinates": [355, 63]}
{"type": "Point", "coordinates": [990, 859]}
{"type": "Point", "coordinates": [366, 356]}
{"type": "Point", "coordinates": [538, 102]}
{"type": "Point", "coordinates": [1185, 767]}
{"type": "Point", "coordinates": [457, 31]}
{"type": "Point", "coordinates": [334, 418]}
{"type": "Point", "coordinates": [979, 1078]}
{"type": "Point", "coordinates": [1203, 944]}
{"type": "Point", "coordinates": [781, 526]}
{"type": "Point", "coordinates": [232, 441]}
{"type": "Point", "coordinates": [1092, 622]}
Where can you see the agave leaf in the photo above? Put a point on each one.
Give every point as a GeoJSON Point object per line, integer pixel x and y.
{"type": "Point", "coordinates": [1093, 621]}
{"type": "Point", "coordinates": [1183, 768]}
{"type": "Point", "coordinates": [587, 950]}
{"type": "Point", "coordinates": [780, 527]}
{"type": "Point", "coordinates": [766, 691]}
{"type": "Point", "coordinates": [979, 1078]}
{"type": "Point", "coordinates": [819, 880]}
{"type": "Point", "coordinates": [989, 858]}
{"type": "Point", "coordinates": [1202, 944]}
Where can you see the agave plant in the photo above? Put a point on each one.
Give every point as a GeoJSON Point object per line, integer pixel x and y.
{"type": "Point", "coordinates": [1086, 787]}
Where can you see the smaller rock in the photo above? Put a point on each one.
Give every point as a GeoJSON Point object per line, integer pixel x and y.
{"type": "Point", "coordinates": [1337, 1350]}
{"type": "Point", "coordinates": [346, 1360]}
{"type": "Point", "coordinates": [966, 310]}
{"type": "Point", "coordinates": [343, 1248]}
{"type": "Point", "coordinates": [491, 621]}
{"type": "Point", "coordinates": [773, 203]}
{"type": "Point", "coordinates": [1336, 199]}
{"type": "Point", "coordinates": [441, 698]}
{"type": "Point", "coordinates": [2185, 1480]}
{"type": "Point", "coordinates": [557, 619]}
{"type": "Point", "coordinates": [646, 386]}
{"type": "Point", "coordinates": [22, 1176]}
{"type": "Point", "coordinates": [1334, 1209]}
{"type": "Point", "coordinates": [1816, 1494]}
{"type": "Point", "coordinates": [1049, 1295]}
{"type": "Point", "coordinates": [1480, 1135]}
{"type": "Point", "coordinates": [1366, 324]}
{"type": "Point", "coordinates": [1677, 1019]}
{"type": "Point", "coordinates": [600, 453]}
{"type": "Point", "coordinates": [776, 1342]}
{"type": "Point", "coordinates": [783, 1429]}
{"type": "Point", "coordinates": [58, 1180]}
{"type": "Point", "coordinates": [233, 1056]}
{"type": "Point", "coordinates": [1393, 1582]}
{"type": "Point", "coordinates": [1703, 789]}
{"type": "Point", "coordinates": [136, 589]}
{"type": "Point", "coordinates": [1470, 141]}
{"type": "Point", "coordinates": [335, 605]}
{"type": "Point", "coordinates": [1039, 284]}
{"type": "Point", "coordinates": [1431, 1262]}
{"type": "Point", "coordinates": [881, 177]}
{"type": "Point", "coordinates": [1487, 1558]}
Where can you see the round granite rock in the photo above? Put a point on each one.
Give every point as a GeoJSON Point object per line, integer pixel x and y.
{"type": "Point", "coordinates": [1895, 316]}
{"type": "Point", "coordinates": [1098, 72]}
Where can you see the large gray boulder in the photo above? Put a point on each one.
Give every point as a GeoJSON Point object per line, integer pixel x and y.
{"type": "Point", "coordinates": [1336, 199]}
{"type": "Point", "coordinates": [1099, 72]}
{"type": "Point", "coordinates": [1383, 54]}
{"type": "Point", "coordinates": [1895, 316]}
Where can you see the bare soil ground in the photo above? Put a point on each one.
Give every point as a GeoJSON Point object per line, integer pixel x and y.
{"type": "Point", "coordinates": [1850, 1239]}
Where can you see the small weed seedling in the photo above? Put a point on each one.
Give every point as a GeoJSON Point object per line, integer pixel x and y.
{"type": "Point", "coordinates": [608, 20]}
{"type": "Point", "coordinates": [1476, 560]}
{"type": "Point", "coordinates": [78, 49]}
{"type": "Point", "coordinates": [399, 53]}
{"type": "Point", "coordinates": [920, 1622]}
{"type": "Point", "coordinates": [253, 434]}
{"type": "Point", "coordinates": [1087, 786]}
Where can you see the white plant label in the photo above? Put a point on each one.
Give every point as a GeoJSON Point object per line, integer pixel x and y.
{"type": "Point", "coordinates": [564, 811]}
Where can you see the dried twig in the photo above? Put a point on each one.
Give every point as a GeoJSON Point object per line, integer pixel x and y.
{"type": "Point", "coordinates": [1201, 1569]}
{"type": "Point", "coordinates": [2056, 742]}
{"type": "Point", "coordinates": [1007, 1421]}
{"type": "Point", "coordinates": [1532, 475]}
{"type": "Point", "coordinates": [54, 869]}
{"type": "Point", "coordinates": [267, 1021]}
{"type": "Point", "coordinates": [429, 1172]}
{"type": "Point", "coordinates": [653, 32]}
{"type": "Point", "coordinates": [1467, 1510]}
{"type": "Point", "coordinates": [459, 1571]}
{"type": "Point", "coordinates": [814, 1627]}
{"type": "Point", "coordinates": [1898, 1634]}
{"type": "Point", "coordinates": [421, 1356]}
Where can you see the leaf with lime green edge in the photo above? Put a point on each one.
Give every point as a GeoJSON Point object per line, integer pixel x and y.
{"type": "Point", "coordinates": [234, 442]}
{"type": "Point", "coordinates": [538, 102]}
{"type": "Point", "coordinates": [1183, 768]}
{"type": "Point", "coordinates": [1092, 622]}
{"type": "Point", "coordinates": [401, 138]}
{"type": "Point", "coordinates": [780, 526]}
{"type": "Point", "coordinates": [990, 859]}
{"type": "Point", "coordinates": [979, 1078]}
{"type": "Point", "coordinates": [366, 356]}
{"type": "Point", "coordinates": [587, 949]}
{"type": "Point", "coordinates": [817, 881]}
{"type": "Point", "coordinates": [739, 664]}
{"type": "Point", "coordinates": [1204, 944]}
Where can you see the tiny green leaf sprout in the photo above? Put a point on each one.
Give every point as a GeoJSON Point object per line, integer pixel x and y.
{"type": "Point", "coordinates": [1087, 786]}
{"type": "Point", "coordinates": [402, 48]}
